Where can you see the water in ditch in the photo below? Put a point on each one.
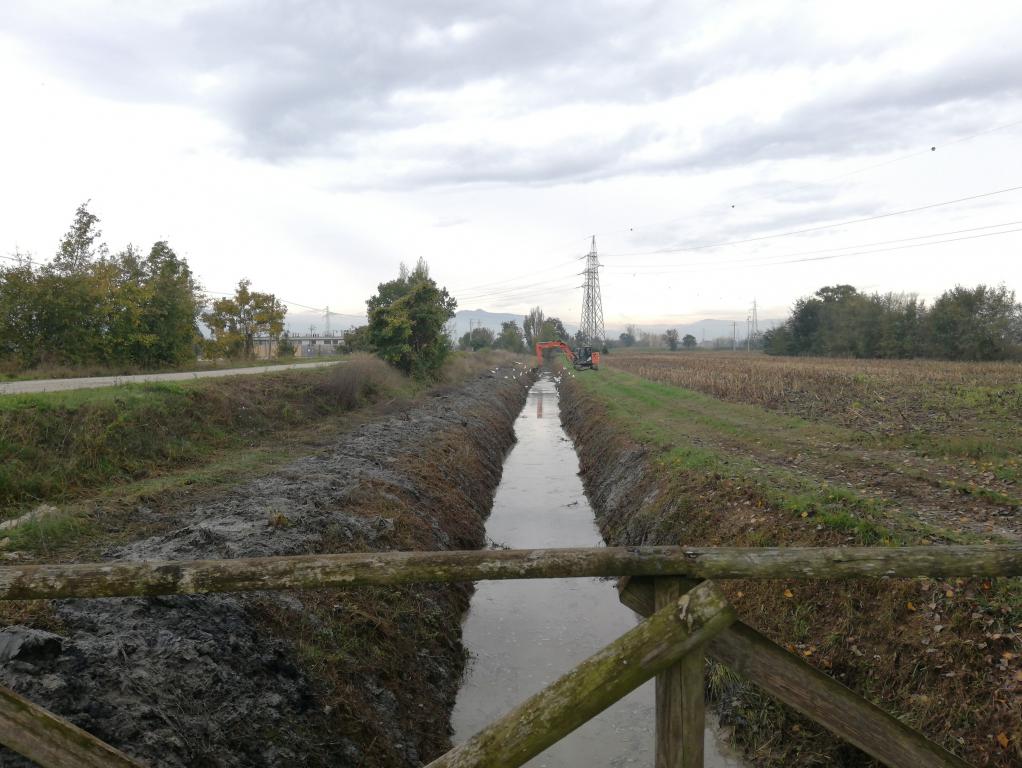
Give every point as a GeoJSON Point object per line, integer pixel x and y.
{"type": "Point", "coordinates": [525, 634]}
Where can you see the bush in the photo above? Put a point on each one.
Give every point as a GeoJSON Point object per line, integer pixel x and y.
{"type": "Point", "coordinates": [359, 380]}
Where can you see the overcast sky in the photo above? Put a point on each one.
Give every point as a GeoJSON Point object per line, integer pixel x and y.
{"type": "Point", "coordinates": [313, 146]}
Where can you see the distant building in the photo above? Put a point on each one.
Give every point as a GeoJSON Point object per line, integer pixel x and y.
{"type": "Point", "coordinates": [305, 344]}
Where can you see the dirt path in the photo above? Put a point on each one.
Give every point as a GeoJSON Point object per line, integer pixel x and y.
{"type": "Point", "coordinates": [360, 678]}
{"type": "Point", "coordinates": [96, 382]}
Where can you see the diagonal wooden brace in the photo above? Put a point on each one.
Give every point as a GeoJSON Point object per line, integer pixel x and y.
{"type": "Point", "coordinates": [801, 686]}
{"type": "Point", "coordinates": [545, 718]}
{"type": "Point", "coordinates": [51, 741]}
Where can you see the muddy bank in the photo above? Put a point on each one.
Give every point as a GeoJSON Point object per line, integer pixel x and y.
{"type": "Point", "coordinates": [359, 677]}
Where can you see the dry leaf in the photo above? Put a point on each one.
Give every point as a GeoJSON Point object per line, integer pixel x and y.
{"type": "Point", "coordinates": [1002, 739]}
{"type": "Point", "coordinates": [949, 593]}
{"type": "Point", "coordinates": [910, 606]}
{"type": "Point", "coordinates": [788, 593]}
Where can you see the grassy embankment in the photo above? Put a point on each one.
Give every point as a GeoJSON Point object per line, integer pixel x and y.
{"type": "Point", "coordinates": [825, 465]}
{"type": "Point", "coordinates": [124, 445]}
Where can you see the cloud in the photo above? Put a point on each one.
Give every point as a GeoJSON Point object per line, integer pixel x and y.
{"type": "Point", "coordinates": [452, 93]}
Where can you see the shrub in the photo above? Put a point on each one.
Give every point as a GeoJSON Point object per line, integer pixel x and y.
{"type": "Point", "coordinates": [361, 379]}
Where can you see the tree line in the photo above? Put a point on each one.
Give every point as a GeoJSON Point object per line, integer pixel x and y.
{"type": "Point", "coordinates": [632, 336]}
{"type": "Point", "coordinates": [88, 306]}
{"type": "Point", "coordinates": [980, 323]}
{"type": "Point", "coordinates": [536, 327]}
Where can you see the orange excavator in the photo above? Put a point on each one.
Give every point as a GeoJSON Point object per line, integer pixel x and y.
{"type": "Point", "coordinates": [585, 357]}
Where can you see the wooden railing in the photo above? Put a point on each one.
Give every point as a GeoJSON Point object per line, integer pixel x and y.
{"type": "Point", "coordinates": [685, 618]}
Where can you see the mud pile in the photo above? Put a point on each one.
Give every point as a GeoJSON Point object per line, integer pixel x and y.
{"type": "Point", "coordinates": [363, 677]}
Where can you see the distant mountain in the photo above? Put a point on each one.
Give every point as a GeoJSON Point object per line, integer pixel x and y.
{"type": "Point", "coordinates": [480, 318]}
{"type": "Point", "coordinates": [708, 328]}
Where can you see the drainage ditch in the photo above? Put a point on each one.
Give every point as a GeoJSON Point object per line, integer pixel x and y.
{"type": "Point", "coordinates": [525, 634]}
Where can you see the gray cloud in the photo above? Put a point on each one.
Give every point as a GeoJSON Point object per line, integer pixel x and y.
{"type": "Point", "coordinates": [332, 81]}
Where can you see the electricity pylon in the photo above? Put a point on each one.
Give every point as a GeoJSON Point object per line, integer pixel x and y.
{"type": "Point", "coordinates": [592, 303]}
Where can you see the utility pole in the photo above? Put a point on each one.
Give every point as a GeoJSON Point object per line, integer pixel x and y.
{"type": "Point", "coordinates": [734, 335]}
{"type": "Point", "coordinates": [591, 327]}
{"type": "Point", "coordinates": [748, 333]}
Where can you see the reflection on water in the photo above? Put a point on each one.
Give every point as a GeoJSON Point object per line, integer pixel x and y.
{"type": "Point", "coordinates": [525, 634]}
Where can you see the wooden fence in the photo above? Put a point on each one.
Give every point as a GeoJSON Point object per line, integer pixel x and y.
{"type": "Point", "coordinates": [685, 618]}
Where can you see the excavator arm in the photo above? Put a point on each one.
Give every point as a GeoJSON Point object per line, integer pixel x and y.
{"type": "Point", "coordinates": [585, 358]}
{"type": "Point", "coordinates": [541, 345]}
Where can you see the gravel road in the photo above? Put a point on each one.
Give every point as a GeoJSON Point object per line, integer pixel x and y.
{"type": "Point", "coordinates": [93, 382]}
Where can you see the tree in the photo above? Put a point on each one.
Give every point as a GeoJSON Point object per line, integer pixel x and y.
{"type": "Point", "coordinates": [406, 321]}
{"type": "Point", "coordinates": [671, 339]}
{"type": "Point", "coordinates": [689, 341]}
{"type": "Point", "coordinates": [285, 347]}
{"type": "Point", "coordinates": [357, 339]}
{"type": "Point", "coordinates": [236, 320]}
{"type": "Point", "coordinates": [80, 245]}
{"type": "Point", "coordinates": [554, 330]}
{"type": "Point", "coordinates": [476, 339]}
{"type": "Point", "coordinates": [88, 307]}
{"type": "Point", "coordinates": [73, 294]}
{"type": "Point", "coordinates": [20, 298]}
{"type": "Point", "coordinates": [981, 323]}
{"type": "Point", "coordinates": [510, 337]}
{"type": "Point", "coordinates": [171, 302]}
{"type": "Point", "coordinates": [532, 327]}
{"type": "Point", "coordinates": [626, 339]}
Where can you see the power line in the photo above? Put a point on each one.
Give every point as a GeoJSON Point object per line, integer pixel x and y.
{"type": "Point", "coordinates": [896, 248]}
{"type": "Point", "coordinates": [820, 228]}
{"type": "Point", "coordinates": [530, 296]}
{"type": "Point", "coordinates": [856, 253]}
{"type": "Point", "coordinates": [515, 288]}
{"type": "Point", "coordinates": [513, 279]}
{"type": "Point", "coordinates": [520, 295]}
{"type": "Point", "coordinates": [666, 269]}
{"type": "Point", "coordinates": [810, 184]}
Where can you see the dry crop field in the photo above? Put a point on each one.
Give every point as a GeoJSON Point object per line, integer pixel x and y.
{"type": "Point", "coordinates": [970, 414]}
{"type": "Point", "coordinates": [893, 395]}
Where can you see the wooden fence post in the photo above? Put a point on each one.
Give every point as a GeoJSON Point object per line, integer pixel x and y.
{"type": "Point", "coordinates": [680, 713]}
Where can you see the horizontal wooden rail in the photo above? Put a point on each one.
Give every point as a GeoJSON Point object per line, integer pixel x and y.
{"type": "Point", "coordinates": [655, 644]}
{"type": "Point", "coordinates": [51, 741]}
{"type": "Point", "coordinates": [803, 687]}
{"type": "Point", "coordinates": [128, 578]}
